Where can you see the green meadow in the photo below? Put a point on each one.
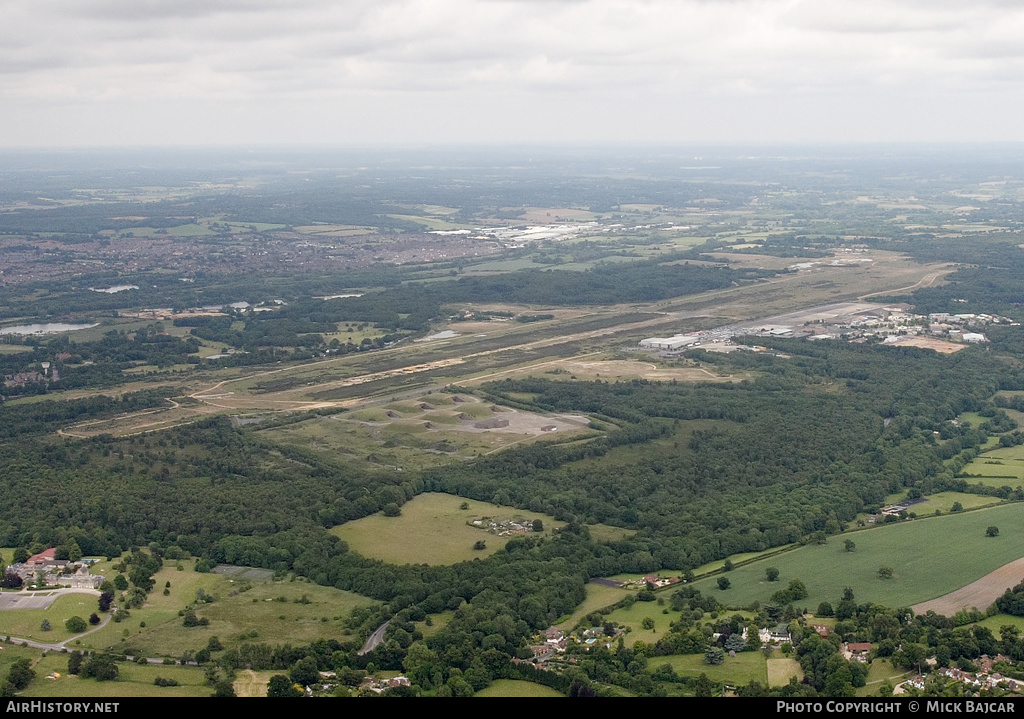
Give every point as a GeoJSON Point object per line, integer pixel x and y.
{"type": "Point", "coordinates": [598, 597]}
{"type": "Point", "coordinates": [1002, 466]}
{"type": "Point", "coordinates": [26, 623]}
{"type": "Point", "coordinates": [880, 671]}
{"type": "Point", "coordinates": [432, 529]}
{"type": "Point", "coordinates": [295, 612]}
{"type": "Point", "coordinates": [516, 688]}
{"type": "Point", "coordinates": [744, 668]}
{"type": "Point", "coordinates": [929, 557]}
{"type": "Point", "coordinates": [134, 680]}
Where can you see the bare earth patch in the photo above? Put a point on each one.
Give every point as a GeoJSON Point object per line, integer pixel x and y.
{"type": "Point", "coordinates": [980, 594]}
{"type": "Point", "coordinates": [930, 344]}
{"type": "Point", "coordinates": [631, 369]}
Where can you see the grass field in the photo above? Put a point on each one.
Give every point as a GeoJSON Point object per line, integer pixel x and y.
{"type": "Point", "coordinates": [428, 431]}
{"type": "Point", "coordinates": [608, 533]}
{"type": "Point", "coordinates": [996, 621]}
{"type": "Point", "coordinates": [432, 530]}
{"type": "Point", "coordinates": [781, 670]}
{"type": "Point", "coordinates": [252, 684]}
{"type": "Point", "coordinates": [598, 597]}
{"type": "Point", "coordinates": [880, 671]}
{"type": "Point", "coordinates": [634, 616]}
{"type": "Point", "coordinates": [10, 653]}
{"type": "Point", "coordinates": [930, 557]}
{"type": "Point", "coordinates": [159, 609]}
{"type": "Point", "coordinates": [258, 609]}
{"type": "Point", "coordinates": [134, 681]}
{"type": "Point", "coordinates": [25, 623]}
{"type": "Point", "coordinates": [437, 622]}
{"type": "Point", "coordinates": [943, 501]}
{"type": "Point", "coordinates": [998, 467]}
{"type": "Point", "coordinates": [515, 688]}
{"type": "Point", "coordinates": [744, 668]}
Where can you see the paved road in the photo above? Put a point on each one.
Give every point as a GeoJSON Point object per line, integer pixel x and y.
{"type": "Point", "coordinates": [58, 646]}
{"type": "Point", "coordinates": [376, 638]}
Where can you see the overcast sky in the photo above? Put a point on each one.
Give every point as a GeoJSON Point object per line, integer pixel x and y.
{"type": "Point", "coordinates": [266, 72]}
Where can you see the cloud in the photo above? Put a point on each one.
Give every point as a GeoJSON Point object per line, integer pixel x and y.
{"type": "Point", "coordinates": [370, 58]}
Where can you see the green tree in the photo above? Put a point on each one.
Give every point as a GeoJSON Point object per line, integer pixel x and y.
{"type": "Point", "coordinates": [848, 545]}
{"type": "Point", "coordinates": [714, 655]}
{"type": "Point", "coordinates": [223, 688]}
{"type": "Point", "coordinates": [885, 572]}
{"type": "Point", "coordinates": [797, 589]}
{"type": "Point", "coordinates": [305, 672]}
{"type": "Point", "coordinates": [101, 667]}
{"type": "Point", "coordinates": [281, 686]}
{"type": "Point", "coordinates": [992, 532]}
{"type": "Point", "coordinates": [771, 574]}
{"type": "Point", "coordinates": [45, 626]}
{"type": "Point", "coordinates": [724, 583]}
{"type": "Point", "coordinates": [21, 673]}
{"type": "Point", "coordinates": [76, 625]}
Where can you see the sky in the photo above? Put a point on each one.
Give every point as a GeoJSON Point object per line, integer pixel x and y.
{"type": "Point", "coordinates": [411, 72]}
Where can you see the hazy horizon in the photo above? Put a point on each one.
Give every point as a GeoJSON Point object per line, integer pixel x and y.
{"type": "Point", "coordinates": [114, 73]}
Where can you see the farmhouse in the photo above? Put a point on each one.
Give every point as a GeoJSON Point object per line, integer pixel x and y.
{"type": "Point", "coordinates": [857, 650]}
{"type": "Point", "coordinates": [777, 635]}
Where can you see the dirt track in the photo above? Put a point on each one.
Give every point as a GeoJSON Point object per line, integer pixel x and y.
{"type": "Point", "coordinates": [978, 594]}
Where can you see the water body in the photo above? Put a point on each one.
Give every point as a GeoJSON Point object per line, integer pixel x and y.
{"type": "Point", "coordinates": [50, 328]}
{"type": "Point", "coordinates": [115, 288]}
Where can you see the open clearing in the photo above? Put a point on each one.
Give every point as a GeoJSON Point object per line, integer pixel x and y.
{"type": "Point", "coordinates": [881, 670]}
{"type": "Point", "coordinates": [614, 370]}
{"type": "Point", "coordinates": [980, 594]}
{"type": "Point", "coordinates": [997, 467]}
{"type": "Point", "coordinates": [252, 684]}
{"type": "Point", "coordinates": [424, 431]}
{"type": "Point", "coordinates": [25, 622]}
{"type": "Point", "coordinates": [929, 343]}
{"type": "Point", "coordinates": [632, 618]}
{"type": "Point", "coordinates": [930, 558]}
{"type": "Point", "coordinates": [598, 597]}
{"type": "Point", "coordinates": [781, 669]}
{"type": "Point", "coordinates": [516, 688]}
{"type": "Point", "coordinates": [272, 612]}
{"type": "Point", "coordinates": [134, 680]}
{"type": "Point", "coordinates": [742, 669]}
{"type": "Point", "coordinates": [432, 530]}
